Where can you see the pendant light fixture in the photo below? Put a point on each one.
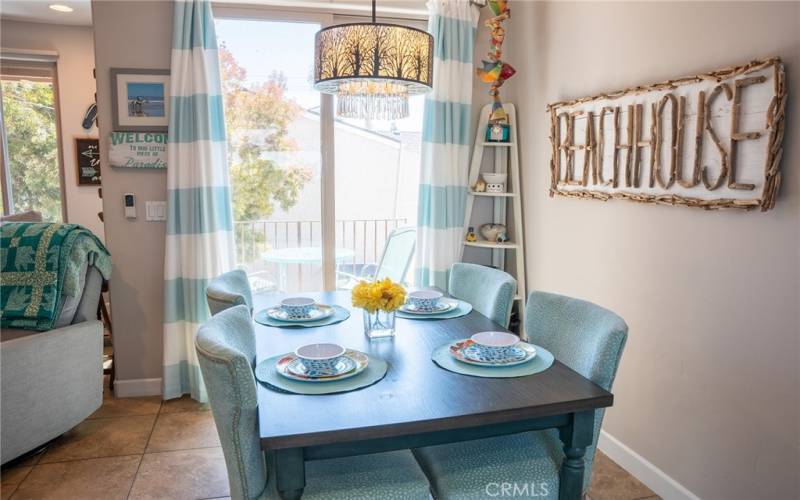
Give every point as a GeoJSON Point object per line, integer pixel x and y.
{"type": "Point", "coordinates": [373, 67]}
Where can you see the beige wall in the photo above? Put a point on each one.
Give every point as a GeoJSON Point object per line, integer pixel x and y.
{"type": "Point", "coordinates": [76, 88]}
{"type": "Point", "coordinates": [709, 386]}
{"type": "Point", "coordinates": [482, 211]}
{"type": "Point", "coordinates": [132, 35]}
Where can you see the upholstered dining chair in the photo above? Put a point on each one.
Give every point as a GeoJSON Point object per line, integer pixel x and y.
{"type": "Point", "coordinates": [228, 290]}
{"type": "Point", "coordinates": [226, 350]}
{"type": "Point", "coordinates": [587, 338]}
{"type": "Point", "coordinates": [490, 291]}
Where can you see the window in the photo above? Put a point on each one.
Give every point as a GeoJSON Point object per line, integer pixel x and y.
{"type": "Point", "coordinates": [31, 161]}
{"type": "Point", "coordinates": [377, 178]}
{"type": "Point", "coordinates": [273, 125]}
{"type": "Point", "coordinates": [297, 172]}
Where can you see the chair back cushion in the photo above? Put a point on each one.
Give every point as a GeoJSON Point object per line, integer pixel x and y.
{"type": "Point", "coordinates": [585, 337]}
{"type": "Point", "coordinates": [226, 351]}
{"type": "Point", "coordinates": [490, 291]}
{"type": "Point", "coordinates": [228, 290]}
{"type": "Point", "coordinates": [397, 255]}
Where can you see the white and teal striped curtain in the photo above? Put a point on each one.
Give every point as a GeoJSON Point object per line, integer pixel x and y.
{"type": "Point", "coordinates": [445, 141]}
{"type": "Point", "coordinates": [199, 215]}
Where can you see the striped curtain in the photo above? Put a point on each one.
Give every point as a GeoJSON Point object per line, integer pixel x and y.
{"type": "Point", "coordinates": [445, 141]}
{"type": "Point", "coordinates": [199, 243]}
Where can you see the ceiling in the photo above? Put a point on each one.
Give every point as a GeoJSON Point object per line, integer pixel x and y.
{"type": "Point", "coordinates": [38, 10]}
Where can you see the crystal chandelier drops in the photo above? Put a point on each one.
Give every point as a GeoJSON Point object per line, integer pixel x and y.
{"type": "Point", "coordinates": [373, 100]}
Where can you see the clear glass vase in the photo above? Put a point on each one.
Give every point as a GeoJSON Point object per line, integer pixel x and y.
{"type": "Point", "coordinates": [379, 324]}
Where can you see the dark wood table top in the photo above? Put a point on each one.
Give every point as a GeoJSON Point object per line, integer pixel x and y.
{"type": "Point", "coordinates": [416, 395]}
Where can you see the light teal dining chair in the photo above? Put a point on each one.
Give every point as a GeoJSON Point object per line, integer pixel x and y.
{"type": "Point", "coordinates": [228, 290]}
{"type": "Point", "coordinates": [226, 350]}
{"type": "Point", "coordinates": [585, 337]}
{"type": "Point", "coordinates": [490, 291]}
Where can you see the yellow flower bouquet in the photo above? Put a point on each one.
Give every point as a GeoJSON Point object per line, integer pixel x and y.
{"type": "Point", "coordinates": [380, 300]}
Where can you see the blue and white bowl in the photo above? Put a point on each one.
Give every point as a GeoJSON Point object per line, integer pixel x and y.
{"type": "Point", "coordinates": [298, 307]}
{"type": "Point", "coordinates": [495, 345]}
{"type": "Point", "coordinates": [320, 359]}
{"type": "Point", "coordinates": [424, 300]}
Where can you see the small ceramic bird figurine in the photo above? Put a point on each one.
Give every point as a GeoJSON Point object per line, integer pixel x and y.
{"type": "Point", "coordinates": [471, 236]}
{"type": "Point", "coordinates": [479, 186]}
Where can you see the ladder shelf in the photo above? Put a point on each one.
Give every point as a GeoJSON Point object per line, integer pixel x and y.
{"type": "Point", "coordinates": [506, 160]}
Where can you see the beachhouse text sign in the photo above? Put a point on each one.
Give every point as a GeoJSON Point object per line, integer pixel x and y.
{"type": "Point", "coordinates": [138, 150]}
{"type": "Point", "coordinates": [710, 141]}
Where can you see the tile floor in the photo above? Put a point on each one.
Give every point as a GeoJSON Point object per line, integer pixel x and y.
{"type": "Point", "coordinates": [141, 448]}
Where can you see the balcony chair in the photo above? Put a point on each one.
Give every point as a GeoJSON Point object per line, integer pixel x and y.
{"type": "Point", "coordinates": [394, 263]}
{"type": "Point", "coordinates": [490, 291]}
{"type": "Point", "coordinates": [583, 336]}
{"type": "Point", "coordinates": [226, 350]}
{"type": "Point", "coordinates": [228, 290]}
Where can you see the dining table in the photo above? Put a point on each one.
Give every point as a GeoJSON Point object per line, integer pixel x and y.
{"type": "Point", "coordinates": [417, 403]}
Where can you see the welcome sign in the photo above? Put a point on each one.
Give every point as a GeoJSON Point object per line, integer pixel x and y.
{"type": "Point", "coordinates": [138, 150]}
{"type": "Point", "coordinates": [709, 141]}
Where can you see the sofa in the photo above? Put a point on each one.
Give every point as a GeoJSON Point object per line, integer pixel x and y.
{"type": "Point", "coordinates": [52, 380]}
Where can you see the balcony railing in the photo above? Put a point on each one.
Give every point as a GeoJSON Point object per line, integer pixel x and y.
{"type": "Point", "coordinates": [365, 238]}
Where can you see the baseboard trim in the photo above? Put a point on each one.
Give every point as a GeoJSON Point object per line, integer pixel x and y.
{"type": "Point", "coordinates": [653, 477]}
{"type": "Point", "coordinates": [137, 387]}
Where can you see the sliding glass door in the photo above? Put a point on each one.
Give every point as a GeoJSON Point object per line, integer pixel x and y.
{"type": "Point", "coordinates": [273, 124]}
{"type": "Point", "coordinates": [315, 197]}
{"type": "Point", "coordinates": [377, 179]}
{"type": "Point", "coordinates": [31, 163]}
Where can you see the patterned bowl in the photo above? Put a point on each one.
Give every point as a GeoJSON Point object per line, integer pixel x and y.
{"type": "Point", "coordinates": [424, 300]}
{"type": "Point", "coordinates": [298, 307]}
{"type": "Point", "coordinates": [320, 359]}
{"type": "Point", "coordinates": [495, 344]}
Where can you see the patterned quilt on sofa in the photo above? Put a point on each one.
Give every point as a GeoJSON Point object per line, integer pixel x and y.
{"type": "Point", "coordinates": [41, 262]}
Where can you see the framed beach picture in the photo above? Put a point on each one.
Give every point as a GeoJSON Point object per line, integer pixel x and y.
{"type": "Point", "coordinates": [141, 99]}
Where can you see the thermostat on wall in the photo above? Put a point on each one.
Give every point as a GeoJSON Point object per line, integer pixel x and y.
{"type": "Point", "coordinates": [130, 205]}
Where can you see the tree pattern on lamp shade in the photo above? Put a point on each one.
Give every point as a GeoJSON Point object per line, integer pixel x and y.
{"type": "Point", "coordinates": [380, 51]}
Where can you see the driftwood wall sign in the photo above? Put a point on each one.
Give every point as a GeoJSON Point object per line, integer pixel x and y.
{"type": "Point", "coordinates": [710, 141]}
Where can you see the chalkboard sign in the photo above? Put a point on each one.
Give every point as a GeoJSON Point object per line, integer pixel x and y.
{"type": "Point", "coordinates": [88, 160]}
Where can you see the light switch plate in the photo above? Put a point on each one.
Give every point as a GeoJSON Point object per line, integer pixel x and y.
{"type": "Point", "coordinates": [155, 211]}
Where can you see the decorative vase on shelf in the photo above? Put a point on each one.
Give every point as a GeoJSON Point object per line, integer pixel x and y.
{"type": "Point", "coordinates": [380, 301]}
{"type": "Point", "coordinates": [491, 231]}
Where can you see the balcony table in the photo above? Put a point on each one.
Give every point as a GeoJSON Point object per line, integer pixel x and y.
{"type": "Point", "coordinates": [418, 403]}
{"type": "Point", "coordinates": [301, 255]}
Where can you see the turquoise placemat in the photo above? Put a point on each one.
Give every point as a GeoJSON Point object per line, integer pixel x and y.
{"type": "Point", "coordinates": [541, 362]}
{"type": "Point", "coordinates": [340, 315]}
{"type": "Point", "coordinates": [462, 309]}
{"type": "Point", "coordinates": [266, 373]}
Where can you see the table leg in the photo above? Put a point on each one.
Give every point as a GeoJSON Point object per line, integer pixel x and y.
{"type": "Point", "coordinates": [576, 437]}
{"type": "Point", "coordinates": [290, 473]}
